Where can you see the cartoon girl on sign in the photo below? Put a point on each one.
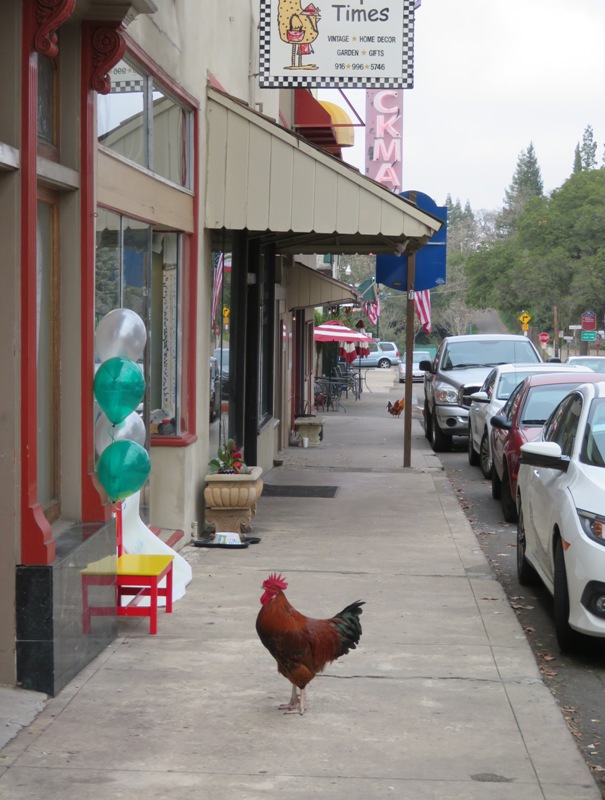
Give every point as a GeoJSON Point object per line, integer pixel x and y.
{"type": "Point", "coordinates": [298, 27]}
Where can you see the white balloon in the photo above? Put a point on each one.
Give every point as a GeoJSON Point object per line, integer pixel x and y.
{"type": "Point", "coordinates": [121, 332]}
{"type": "Point", "coordinates": [132, 428]}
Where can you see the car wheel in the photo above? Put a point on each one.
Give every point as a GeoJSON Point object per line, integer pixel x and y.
{"type": "Point", "coordinates": [525, 572]}
{"type": "Point", "coordinates": [439, 441]}
{"type": "Point", "coordinates": [509, 508]}
{"type": "Point", "coordinates": [485, 459]}
{"type": "Point", "coordinates": [567, 639]}
{"type": "Point", "coordinates": [428, 428]}
{"type": "Point", "coordinates": [384, 363]}
{"type": "Point", "coordinates": [496, 484]}
{"type": "Point", "coordinates": [473, 455]}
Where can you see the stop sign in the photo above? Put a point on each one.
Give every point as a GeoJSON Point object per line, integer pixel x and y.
{"type": "Point", "coordinates": [544, 338]}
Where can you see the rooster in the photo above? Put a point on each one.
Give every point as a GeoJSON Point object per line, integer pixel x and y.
{"type": "Point", "coordinates": [303, 646]}
{"type": "Point", "coordinates": [395, 408]}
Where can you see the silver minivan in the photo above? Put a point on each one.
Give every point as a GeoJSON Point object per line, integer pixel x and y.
{"type": "Point", "coordinates": [382, 354]}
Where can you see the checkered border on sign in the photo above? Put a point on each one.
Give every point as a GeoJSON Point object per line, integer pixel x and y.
{"type": "Point", "coordinates": [123, 87]}
{"type": "Point", "coordinates": [268, 81]}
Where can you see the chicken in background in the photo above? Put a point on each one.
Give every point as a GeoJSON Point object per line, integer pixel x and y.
{"type": "Point", "coordinates": [395, 408]}
{"type": "Point", "coordinates": [303, 646]}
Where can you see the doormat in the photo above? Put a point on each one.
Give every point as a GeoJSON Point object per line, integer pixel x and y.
{"type": "Point", "coordinates": [280, 490]}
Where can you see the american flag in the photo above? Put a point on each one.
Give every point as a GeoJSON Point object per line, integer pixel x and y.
{"type": "Point", "coordinates": [422, 304]}
{"type": "Point", "coordinates": [372, 310]}
{"type": "Point", "coordinates": [219, 265]}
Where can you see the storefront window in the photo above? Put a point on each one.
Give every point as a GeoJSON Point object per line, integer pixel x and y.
{"type": "Point", "coordinates": [47, 100]}
{"type": "Point", "coordinates": [138, 267]}
{"type": "Point", "coordinates": [141, 121]}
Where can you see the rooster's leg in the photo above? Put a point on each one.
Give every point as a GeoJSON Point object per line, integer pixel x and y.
{"type": "Point", "coordinates": [296, 704]}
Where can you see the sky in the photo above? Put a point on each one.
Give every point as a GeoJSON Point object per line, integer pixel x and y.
{"type": "Point", "coordinates": [491, 76]}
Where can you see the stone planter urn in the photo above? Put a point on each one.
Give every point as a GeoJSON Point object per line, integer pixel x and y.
{"type": "Point", "coordinates": [231, 499]}
{"type": "Point", "coordinates": [310, 427]}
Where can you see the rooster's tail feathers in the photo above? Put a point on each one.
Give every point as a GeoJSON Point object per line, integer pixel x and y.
{"type": "Point", "coordinates": [349, 626]}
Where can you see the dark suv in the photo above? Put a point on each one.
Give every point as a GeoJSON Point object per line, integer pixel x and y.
{"type": "Point", "coordinates": [460, 366]}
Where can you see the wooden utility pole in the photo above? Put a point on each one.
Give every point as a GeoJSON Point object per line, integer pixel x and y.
{"type": "Point", "coordinates": [556, 332]}
{"type": "Point", "coordinates": [409, 360]}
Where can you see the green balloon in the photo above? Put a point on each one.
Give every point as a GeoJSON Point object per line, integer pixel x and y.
{"type": "Point", "coordinates": [123, 468]}
{"type": "Point", "coordinates": [119, 388]}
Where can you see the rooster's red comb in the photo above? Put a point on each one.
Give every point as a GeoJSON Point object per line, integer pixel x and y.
{"type": "Point", "coordinates": [275, 581]}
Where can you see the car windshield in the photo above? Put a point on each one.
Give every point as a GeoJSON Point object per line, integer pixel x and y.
{"type": "Point", "coordinates": [593, 443]}
{"type": "Point", "coordinates": [510, 380]}
{"type": "Point", "coordinates": [597, 363]}
{"type": "Point", "coordinates": [463, 354]}
{"type": "Point", "coordinates": [541, 400]}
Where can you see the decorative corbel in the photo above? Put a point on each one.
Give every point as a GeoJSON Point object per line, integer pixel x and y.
{"type": "Point", "coordinates": [50, 15]}
{"type": "Point", "coordinates": [108, 47]}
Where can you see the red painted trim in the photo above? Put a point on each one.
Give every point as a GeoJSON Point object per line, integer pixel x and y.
{"type": "Point", "coordinates": [183, 440]}
{"type": "Point", "coordinates": [193, 260]}
{"type": "Point", "coordinates": [215, 83]}
{"type": "Point", "coordinates": [108, 47]}
{"type": "Point", "coordinates": [50, 15]}
{"type": "Point", "coordinates": [37, 543]}
{"type": "Point", "coordinates": [93, 507]}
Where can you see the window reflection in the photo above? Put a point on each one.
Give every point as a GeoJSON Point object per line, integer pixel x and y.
{"type": "Point", "coordinates": [142, 122]}
{"type": "Point", "coordinates": [169, 140]}
{"type": "Point", "coordinates": [121, 114]}
{"type": "Point", "coordinates": [139, 268]}
{"type": "Point", "coordinates": [46, 100]}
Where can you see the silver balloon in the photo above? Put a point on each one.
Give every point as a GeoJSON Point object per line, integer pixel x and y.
{"type": "Point", "coordinates": [132, 428]}
{"type": "Point", "coordinates": [121, 332]}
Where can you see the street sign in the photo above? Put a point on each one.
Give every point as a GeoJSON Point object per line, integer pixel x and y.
{"type": "Point", "coordinates": [525, 327]}
{"type": "Point", "coordinates": [544, 338]}
{"type": "Point", "coordinates": [524, 318]}
{"type": "Point", "coordinates": [589, 336]}
{"type": "Point", "coordinates": [575, 327]}
{"type": "Point", "coordinates": [589, 321]}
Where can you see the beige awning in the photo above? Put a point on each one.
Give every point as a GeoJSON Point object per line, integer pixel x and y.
{"type": "Point", "coordinates": [285, 191]}
{"type": "Point", "coordinates": [307, 288]}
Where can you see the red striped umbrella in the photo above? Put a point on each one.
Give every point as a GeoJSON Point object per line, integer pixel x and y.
{"type": "Point", "coordinates": [352, 341]}
{"type": "Point", "coordinates": [335, 331]}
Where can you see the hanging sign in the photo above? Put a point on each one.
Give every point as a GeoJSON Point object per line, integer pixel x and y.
{"type": "Point", "coordinates": [360, 44]}
{"type": "Point", "coordinates": [384, 132]}
{"type": "Point", "coordinates": [430, 261]}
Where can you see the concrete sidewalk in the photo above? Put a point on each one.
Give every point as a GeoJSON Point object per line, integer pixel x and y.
{"type": "Point", "coordinates": [443, 698]}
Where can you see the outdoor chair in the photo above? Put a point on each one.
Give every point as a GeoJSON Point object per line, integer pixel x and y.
{"type": "Point", "coordinates": [137, 577]}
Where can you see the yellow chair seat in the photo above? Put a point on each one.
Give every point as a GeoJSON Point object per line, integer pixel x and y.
{"type": "Point", "coordinates": [134, 564]}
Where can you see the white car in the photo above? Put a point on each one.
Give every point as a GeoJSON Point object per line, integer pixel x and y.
{"type": "Point", "coordinates": [489, 401]}
{"type": "Point", "coordinates": [417, 357]}
{"type": "Point", "coordinates": [561, 513]}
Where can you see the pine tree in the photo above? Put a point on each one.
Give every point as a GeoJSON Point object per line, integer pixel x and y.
{"type": "Point", "coordinates": [588, 149]}
{"type": "Point", "coordinates": [526, 183]}
{"type": "Point", "coordinates": [577, 160]}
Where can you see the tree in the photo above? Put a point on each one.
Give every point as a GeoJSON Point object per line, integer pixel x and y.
{"type": "Point", "coordinates": [526, 183]}
{"type": "Point", "coordinates": [588, 149]}
{"type": "Point", "coordinates": [555, 256]}
{"type": "Point", "coordinates": [577, 160]}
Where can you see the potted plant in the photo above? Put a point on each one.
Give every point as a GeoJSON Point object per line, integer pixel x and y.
{"type": "Point", "coordinates": [229, 460]}
{"type": "Point", "coordinates": [232, 490]}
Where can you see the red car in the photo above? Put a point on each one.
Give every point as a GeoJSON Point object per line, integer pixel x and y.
{"type": "Point", "coordinates": [521, 421]}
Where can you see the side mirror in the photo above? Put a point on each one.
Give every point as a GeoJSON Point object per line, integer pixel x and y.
{"type": "Point", "coordinates": [426, 366]}
{"type": "Point", "coordinates": [480, 397]}
{"type": "Point", "coordinates": [501, 423]}
{"type": "Point", "coordinates": [544, 454]}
